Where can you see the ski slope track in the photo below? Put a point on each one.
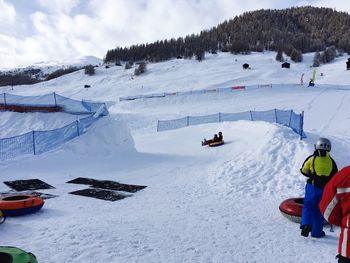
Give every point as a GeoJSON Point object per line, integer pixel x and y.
{"type": "Point", "coordinates": [201, 204]}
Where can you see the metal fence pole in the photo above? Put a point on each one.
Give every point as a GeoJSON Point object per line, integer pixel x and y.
{"type": "Point", "coordinates": [290, 117]}
{"type": "Point", "coordinates": [219, 116]}
{"type": "Point", "coordinates": [78, 127]}
{"type": "Point", "coordinates": [157, 125]}
{"type": "Point", "coordinates": [34, 143]}
{"type": "Point", "coordinates": [54, 96]}
{"type": "Point", "coordinates": [251, 115]}
{"type": "Point", "coordinates": [301, 124]}
{"type": "Point", "coordinates": [276, 115]}
{"type": "Point", "coordinates": [188, 120]}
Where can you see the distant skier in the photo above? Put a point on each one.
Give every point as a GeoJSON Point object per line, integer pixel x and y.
{"type": "Point", "coordinates": [311, 83]}
{"type": "Point", "coordinates": [335, 206]}
{"type": "Point", "coordinates": [319, 168]}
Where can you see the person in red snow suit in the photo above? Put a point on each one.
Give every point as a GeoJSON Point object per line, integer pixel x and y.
{"type": "Point", "coordinates": [335, 207]}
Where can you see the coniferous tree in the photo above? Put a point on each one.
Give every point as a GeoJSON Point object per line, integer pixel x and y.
{"type": "Point", "coordinates": [329, 54]}
{"type": "Point", "coordinates": [279, 56]}
{"type": "Point", "coordinates": [296, 55]}
{"type": "Point", "coordinates": [305, 29]}
{"type": "Point", "coordinates": [89, 70]}
{"type": "Point", "coordinates": [140, 69]}
{"type": "Point", "coordinates": [199, 54]}
{"type": "Point", "coordinates": [317, 59]}
{"type": "Point", "coordinates": [127, 65]}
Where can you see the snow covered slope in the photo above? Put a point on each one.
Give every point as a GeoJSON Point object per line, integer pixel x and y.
{"type": "Point", "coordinates": [201, 204]}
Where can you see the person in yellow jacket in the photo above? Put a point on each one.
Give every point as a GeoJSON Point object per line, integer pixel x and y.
{"type": "Point", "coordinates": [319, 168]}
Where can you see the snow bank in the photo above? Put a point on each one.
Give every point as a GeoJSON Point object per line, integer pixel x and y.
{"type": "Point", "coordinates": [106, 137]}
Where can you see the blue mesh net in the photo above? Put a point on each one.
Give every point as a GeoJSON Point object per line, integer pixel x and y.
{"type": "Point", "coordinates": [172, 124]}
{"type": "Point", "coordinates": [269, 116]}
{"type": "Point", "coordinates": [236, 116]}
{"type": "Point", "coordinates": [203, 119]}
{"type": "Point", "coordinates": [283, 117]}
{"type": "Point", "coordinates": [48, 140]}
{"type": "Point", "coordinates": [16, 146]}
{"type": "Point", "coordinates": [287, 118]}
{"type": "Point", "coordinates": [43, 100]}
{"type": "Point", "coordinates": [37, 142]}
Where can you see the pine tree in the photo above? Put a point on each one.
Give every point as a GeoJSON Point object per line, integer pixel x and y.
{"type": "Point", "coordinates": [279, 56]}
{"type": "Point", "coordinates": [296, 55]}
{"type": "Point", "coordinates": [199, 54]}
{"type": "Point", "coordinates": [89, 70]}
{"type": "Point", "coordinates": [317, 59]}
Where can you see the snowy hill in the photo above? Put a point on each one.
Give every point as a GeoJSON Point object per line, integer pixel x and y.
{"type": "Point", "coordinates": [201, 204]}
{"type": "Point", "coordinates": [50, 66]}
{"type": "Point", "coordinates": [42, 71]}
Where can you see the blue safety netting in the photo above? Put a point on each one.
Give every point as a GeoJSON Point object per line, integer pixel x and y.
{"type": "Point", "coordinates": [196, 92]}
{"type": "Point", "coordinates": [225, 90]}
{"type": "Point", "coordinates": [37, 142]}
{"type": "Point", "coordinates": [284, 117]}
{"type": "Point", "coordinates": [51, 100]}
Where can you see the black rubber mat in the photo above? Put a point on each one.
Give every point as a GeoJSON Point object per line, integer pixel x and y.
{"type": "Point", "coordinates": [109, 185]}
{"type": "Point", "coordinates": [100, 194]}
{"type": "Point", "coordinates": [32, 184]}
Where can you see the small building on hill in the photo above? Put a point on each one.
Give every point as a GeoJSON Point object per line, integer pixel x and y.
{"type": "Point", "coordinates": [348, 64]}
{"type": "Point", "coordinates": [285, 65]}
{"type": "Point", "coordinates": [245, 66]}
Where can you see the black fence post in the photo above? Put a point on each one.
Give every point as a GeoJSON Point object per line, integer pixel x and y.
{"type": "Point", "coordinates": [34, 151]}
{"type": "Point", "coordinates": [78, 127]}
{"type": "Point", "coordinates": [290, 117]}
{"type": "Point", "coordinates": [276, 115]}
{"type": "Point", "coordinates": [54, 95]}
{"type": "Point", "coordinates": [301, 124]}
{"type": "Point", "coordinates": [219, 116]}
{"type": "Point", "coordinates": [188, 120]}
{"type": "Point", "coordinates": [251, 115]}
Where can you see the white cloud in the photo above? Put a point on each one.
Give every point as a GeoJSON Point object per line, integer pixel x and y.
{"type": "Point", "coordinates": [339, 5]}
{"type": "Point", "coordinates": [97, 26]}
{"type": "Point", "coordinates": [7, 14]}
{"type": "Point", "coordinates": [59, 6]}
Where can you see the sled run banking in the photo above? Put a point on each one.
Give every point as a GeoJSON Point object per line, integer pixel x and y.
{"type": "Point", "coordinates": [197, 198]}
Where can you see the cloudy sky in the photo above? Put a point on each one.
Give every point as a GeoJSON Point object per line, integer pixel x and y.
{"type": "Point", "coordinates": [46, 30]}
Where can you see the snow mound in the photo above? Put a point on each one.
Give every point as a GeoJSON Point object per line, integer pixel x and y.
{"type": "Point", "coordinates": [104, 138]}
{"type": "Point", "coordinates": [264, 159]}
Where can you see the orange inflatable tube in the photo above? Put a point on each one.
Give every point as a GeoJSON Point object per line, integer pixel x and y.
{"type": "Point", "coordinates": [14, 205]}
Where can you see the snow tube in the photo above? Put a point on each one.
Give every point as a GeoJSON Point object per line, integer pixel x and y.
{"type": "Point", "coordinates": [2, 217]}
{"type": "Point", "coordinates": [292, 208]}
{"type": "Point", "coordinates": [17, 205]}
{"type": "Point", "coordinates": [16, 255]}
{"type": "Point", "coordinates": [214, 144]}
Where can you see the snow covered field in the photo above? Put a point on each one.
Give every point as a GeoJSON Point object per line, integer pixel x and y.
{"type": "Point", "coordinates": [201, 204]}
